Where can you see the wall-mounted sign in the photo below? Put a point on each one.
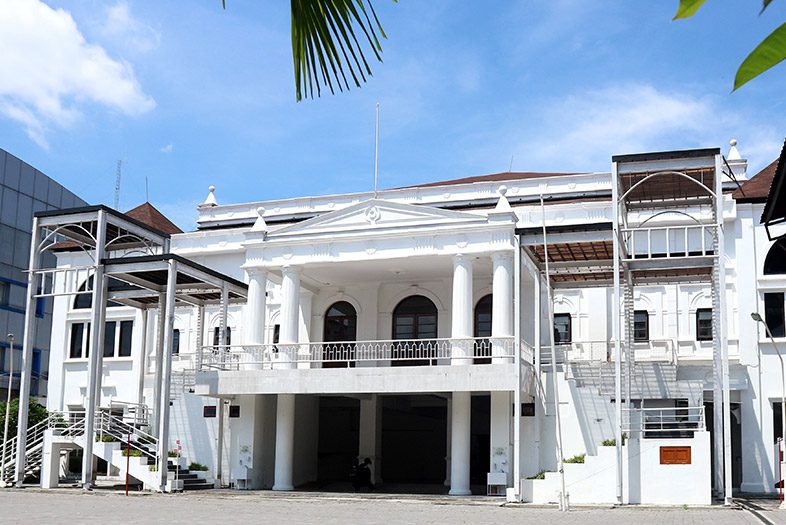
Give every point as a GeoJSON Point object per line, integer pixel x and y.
{"type": "Point", "coordinates": [234, 410]}
{"type": "Point", "coordinates": [209, 411]}
{"type": "Point", "coordinates": [675, 455]}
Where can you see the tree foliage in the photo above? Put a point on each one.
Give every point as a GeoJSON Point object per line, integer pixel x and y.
{"type": "Point", "coordinates": [36, 414]}
{"type": "Point", "coordinates": [770, 52]}
{"type": "Point", "coordinates": [328, 41]}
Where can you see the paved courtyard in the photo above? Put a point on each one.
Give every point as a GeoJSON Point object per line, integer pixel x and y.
{"type": "Point", "coordinates": [72, 506]}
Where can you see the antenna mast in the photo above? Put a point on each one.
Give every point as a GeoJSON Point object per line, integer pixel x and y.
{"type": "Point", "coordinates": [117, 183]}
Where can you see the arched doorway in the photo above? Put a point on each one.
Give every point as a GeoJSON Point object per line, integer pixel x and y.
{"type": "Point", "coordinates": [341, 321]}
{"type": "Point", "coordinates": [414, 318]}
{"type": "Point", "coordinates": [482, 330]}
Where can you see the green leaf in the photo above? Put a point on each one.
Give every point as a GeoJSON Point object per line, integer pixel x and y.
{"type": "Point", "coordinates": [765, 4]}
{"type": "Point", "coordinates": [770, 52]}
{"type": "Point", "coordinates": [326, 51]}
{"type": "Point", "coordinates": [688, 8]}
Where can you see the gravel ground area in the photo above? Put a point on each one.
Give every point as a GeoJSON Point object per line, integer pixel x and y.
{"type": "Point", "coordinates": [73, 506]}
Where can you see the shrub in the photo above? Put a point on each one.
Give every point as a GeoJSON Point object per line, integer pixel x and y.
{"type": "Point", "coordinates": [613, 442]}
{"type": "Point", "coordinates": [539, 475]}
{"type": "Point", "coordinates": [153, 468]}
{"type": "Point", "coordinates": [579, 458]}
{"type": "Point", "coordinates": [172, 454]}
{"type": "Point", "coordinates": [197, 466]}
{"type": "Point", "coordinates": [134, 453]}
{"type": "Point", "coordinates": [106, 438]}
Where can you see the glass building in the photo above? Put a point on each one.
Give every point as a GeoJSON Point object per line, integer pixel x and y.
{"type": "Point", "coordinates": [23, 191]}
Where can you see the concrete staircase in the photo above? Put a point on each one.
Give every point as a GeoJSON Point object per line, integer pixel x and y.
{"type": "Point", "coordinates": [649, 380]}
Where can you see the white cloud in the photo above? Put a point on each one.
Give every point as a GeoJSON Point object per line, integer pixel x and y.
{"type": "Point", "coordinates": [583, 130]}
{"type": "Point", "coordinates": [169, 148]}
{"type": "Point", "coordinates": [50, 72]}
{"type": "Point", "coordinates": [121, 25]}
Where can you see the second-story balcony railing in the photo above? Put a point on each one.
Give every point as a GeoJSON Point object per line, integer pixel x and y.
{"type": "Point", "coordinates": [382, 353]}
{"type": "Point", "coordinates": [657, 242]}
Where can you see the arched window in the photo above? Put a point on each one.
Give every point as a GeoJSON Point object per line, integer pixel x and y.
{"type": "Point", "coordinates": [414, 318]}
{"type": "Point", "coordinates": [775, 262]}
{"type": "Point", "coordinates": [340, 325]}
{"type": "Point", "coordinates": [85, 300]}
{"type": "Point", "coordinates": [483, 329]}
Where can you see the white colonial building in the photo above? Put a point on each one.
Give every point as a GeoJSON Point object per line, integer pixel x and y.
{"type": "Point", "coordinates": [466, 336]}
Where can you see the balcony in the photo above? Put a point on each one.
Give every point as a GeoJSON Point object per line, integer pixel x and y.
{"type": "Point", "coordinates": [356, 367]}
{"type": "Point", "coordinates": [351, 354]}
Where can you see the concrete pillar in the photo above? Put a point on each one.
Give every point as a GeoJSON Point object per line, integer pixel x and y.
{"type": "Point", "coordinates": [159, 369]}
{"type": "Point", "coordinates": [285, 442]}
{"type": "Point", "coordinates": [50, 463]}
{"type": "Point", "coordinates": [459, 444]}
{"type": "Point", "coordinates": [500, 435]}
{"type": "Point", "coordinates": [370, 434]}
{"type": "Point", "coordinates": [166, 359]}
{"type": "Point", "coordinates": [448, 443]}
{"type": "Point", "coordinates": [290, 316]}
{"type": "Point", "coordinates": [255, 313]}
{"type": "Point", "coordinates": [462, 347]}
{"type": "Point", "coordinates": [502, 307]}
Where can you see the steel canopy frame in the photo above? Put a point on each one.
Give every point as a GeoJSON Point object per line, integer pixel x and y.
{"type": "Point", "coordinates": [157, 278]}
{"type": "Point", "coordinates": [574, 246]}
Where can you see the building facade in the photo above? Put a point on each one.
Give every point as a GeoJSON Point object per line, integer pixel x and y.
{"type": "Point", "coordinates": [23, 191]}
{"type": "Point", "coordinates": [549, 337]}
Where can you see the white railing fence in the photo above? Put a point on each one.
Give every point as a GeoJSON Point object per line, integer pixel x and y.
{"type": "Point", "coordinates": [664, 422]}
{"type": "Point", "coordinates": [443, 351]}
{"type": "Point", "coordinates": [690, 240]}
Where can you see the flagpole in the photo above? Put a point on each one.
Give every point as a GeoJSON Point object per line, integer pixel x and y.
{"type": "Point", "coordinates": [376, 154]}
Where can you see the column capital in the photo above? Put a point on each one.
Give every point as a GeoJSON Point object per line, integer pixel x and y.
{"type": "Point", "coordinates": [256, 272]}
{"type": "Point", "coordinates": [460, 258]}
{"type": "Point", "coordinates": [502, 256]}
{"type": "Point", "coordinates": [290, 270]}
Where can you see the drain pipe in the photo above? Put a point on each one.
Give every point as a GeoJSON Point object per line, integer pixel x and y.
{"type": "Point", "coordinates": [563, 496]}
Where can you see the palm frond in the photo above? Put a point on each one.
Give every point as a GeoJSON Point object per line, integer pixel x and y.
{"type": "Point", "coordinates": [326, 50]}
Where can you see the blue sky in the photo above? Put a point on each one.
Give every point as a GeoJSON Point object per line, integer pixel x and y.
{"type": "Point", "coordinates": [189, 95]}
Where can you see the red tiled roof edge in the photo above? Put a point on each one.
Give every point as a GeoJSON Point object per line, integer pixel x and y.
{"type": "Point", "coordinates": [149, 214]}
{"type": "Point", "coordinates": [503, 176]}
{"type": "Point", "coordinates": [757, 187]}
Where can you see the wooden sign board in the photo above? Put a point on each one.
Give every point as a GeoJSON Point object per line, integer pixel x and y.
{"type": "Point", "coordinates": [675, 455]}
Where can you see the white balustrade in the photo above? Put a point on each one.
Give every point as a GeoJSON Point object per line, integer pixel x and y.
{"type": "Point", "coordinates": [477, 350]}
{"type": "Point", "coordinates": [690, 240]}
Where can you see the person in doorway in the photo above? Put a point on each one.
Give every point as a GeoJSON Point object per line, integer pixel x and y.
{"type": "Point", "coordinates": [363, 475]}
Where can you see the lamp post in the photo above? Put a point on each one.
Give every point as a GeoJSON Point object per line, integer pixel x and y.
{"type": "Point", "coordinates": [758, 318]}
{"type": "Point", "coordinates": [7, 407]}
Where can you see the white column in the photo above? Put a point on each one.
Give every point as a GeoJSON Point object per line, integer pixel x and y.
{"type": "Point", "coordinates": [254, 323]}
{"type": "Point", "coordinates": [448, 443]}
{"type": "Point", "coordinates": [459, 444]}
{"type": "Point", "coordinates": [500, 422]}
{"type": "Point", "coordinates": [290, 315]}
{"type": "Point", "coordinates": [502, 307]}
{"type": "Point", "coordinates": [28, 341]}
{"type": "Point", "coordinates": [96, 345]}
{"type": "Point", "coordinates": [370, 433]}
{"type": "Point", "coordinates": [255, 314]}
{"type": "Point", "coordinates": [461, 332]}
{"type": "Point", "coordinates": [285, 442]}
{"type": "Point", "coordinates": [166, 361]}
{"type": "Point", "coordinates": [159, 370]}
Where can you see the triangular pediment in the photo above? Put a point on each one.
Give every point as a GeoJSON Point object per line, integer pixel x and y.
{"type": "Point", "coordinates": [377, 215]}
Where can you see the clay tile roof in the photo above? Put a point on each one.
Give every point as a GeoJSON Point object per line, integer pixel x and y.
{"type": "Point", "coordinates": [148, 214]}
{"type": "Point", "coordinates": [505, 175]}
{"type": "Point", "coordinates": [758, 187]}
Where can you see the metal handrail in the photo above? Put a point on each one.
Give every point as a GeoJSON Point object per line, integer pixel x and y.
{"type": "Point", "coordinates": [429, 351]}
{"type": "Point", "coordinates": [659, 421]}
{"type": "Point", "coordinates": [692, 246]}
{"type": "Point", "coordinates": [113, 426]}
